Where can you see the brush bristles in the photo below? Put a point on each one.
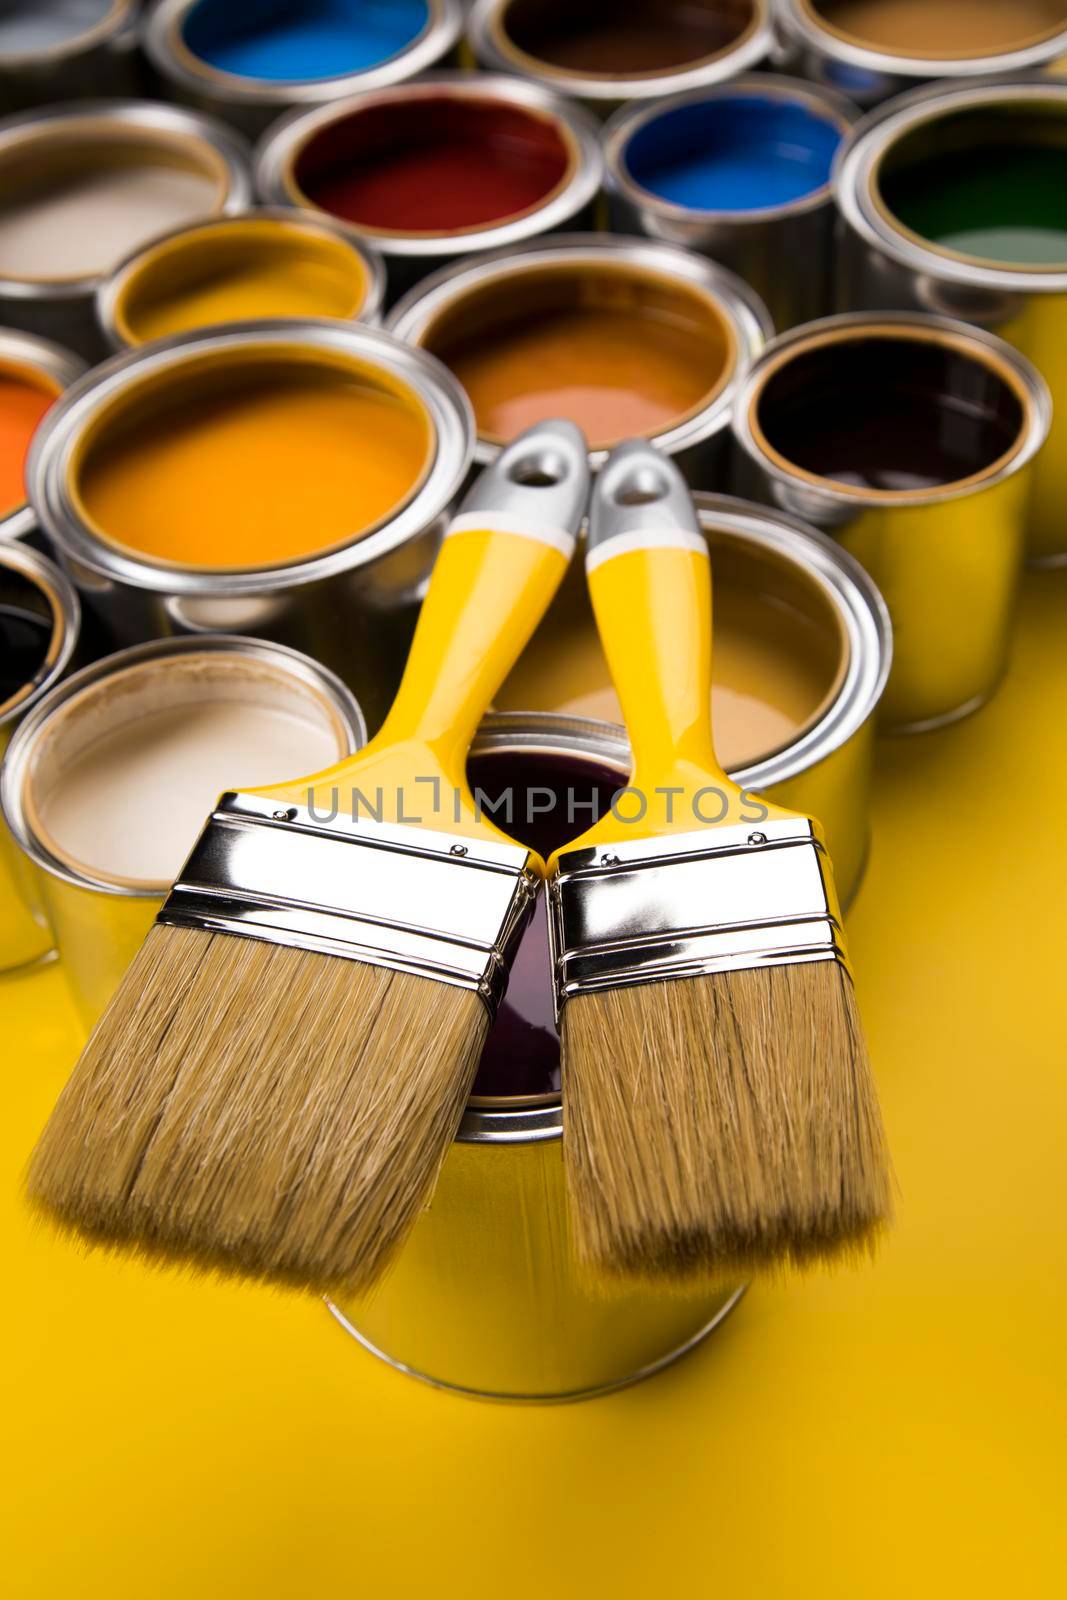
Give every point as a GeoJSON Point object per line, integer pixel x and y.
{"type": "Point", "coordinates": [723, 1123]}
{"type": "Point", "coordinates": [251, 1108]}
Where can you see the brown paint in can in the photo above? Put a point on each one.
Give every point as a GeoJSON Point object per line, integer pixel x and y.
{"type": "Point", "coordinates": [629, 38]}
{"type": "Point", "coordinates": [943, 29]}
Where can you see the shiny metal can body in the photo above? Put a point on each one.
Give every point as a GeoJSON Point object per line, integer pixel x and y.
{"type": "Point", "coordinates": [213, 248]}
{"type": "Point", "coordinates": [353, 607]}
{"type": "Point", "coordinates": [946, 555]}
{"type": "Point", "coordinates": [886, 265]}
{"type": "Point", "coordinates": [59, 53]}
{"type": "Point", "coordinates": [500, 281]}
{"type": "Point", "coordinates": [391, 116]}
{"type": "Point", "coordinates": [26, 353]}
{"type": "Point", "coordinates": [948, 45]}
{"type": "Point", "coordinates": [251, 102]}
{"type": "Point", "coordinates": [486, 1296]}
{"type": "Point", "coordinates": [590, 60]}
{"type": "Point", "coordinates": [786, 249]}
{"type": "Point", "coordinates": [65, 142]}
{"type": "Point", "coordinates": [28, 580]}
{"type": "Point", "coordinates": [99, 923]}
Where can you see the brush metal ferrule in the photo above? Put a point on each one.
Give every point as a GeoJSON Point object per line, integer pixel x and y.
{"type": "Point", "coordinates": [427, 903]}
{"type": "Point", "coordinates": [717, 900]}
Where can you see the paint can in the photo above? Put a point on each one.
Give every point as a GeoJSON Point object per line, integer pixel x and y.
{"type": "Point", "coordinates": [625, 336]}
{"type": "Point", "coordinates": [954, 200]}
{"type": "Point", "coordinates": [486, 1296]}
{"type": "Point", "coordinates": [874, 49]}
{"type": "Point", "coordinates": [266, 263]}
{"type": "Point", "coordinates": [289, 480]}
{"type": "Point", "coordinates": [911, 439]}
{"type": "Point", "coordinates": [52, 50]}
{"type": "Point", "coordinates": [84, 184]}
{"type": "Point", "coordinates": [435, 171]}
{"type": "Point", "coordinates": [249, 64]}
{"type": "Point", "coordinates": [39, 622]}
{"type": "Point", "coordinates": [740, 172]}
{"type": "Point", "coordinates": [802, 652]}
{"type": "Point", "coordinates": [606, 55]}
{"type": "Point", "coordinates": [108, 780]}
{"type": "Point", "coordinates": [33, 373]}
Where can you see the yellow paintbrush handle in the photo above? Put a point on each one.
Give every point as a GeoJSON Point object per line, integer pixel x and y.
{"type": "Point", "coordinates": [499, 566]}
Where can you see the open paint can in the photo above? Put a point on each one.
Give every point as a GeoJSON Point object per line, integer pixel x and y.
{"type": "Point", "coordinates": [911, 439]}
{"type": "Point", "coordinates": [486, 1296]}
{"type": "Point", "coordinates": [262, 264]}
{"type": "Point", "coordinates": [109, 778]}
{"type": "Point", "coordinates": [624, 336]}
{"type": "Point", "coordinates": [39, 621]}
{"type": "Point", "coordinates": [607, 54]}
{"type": "Point", "coordinates": [286, 479]}
{"type": "Point", "coordinates": [33, 374]}
{"type": "Point", "coordinates": [437, 170]}
{"type": "Point", "coordinates": [83, 185]}
{"type": "Point", "coordinates": [250, 63]}
{"type": "Point", "coordinates": [956, 202]}
{"type": "Point", "coordinates": [740, 172]}
{"type": "Point", "coordinates": [872, 49]}
{"type": "Point", "coordinates": [54, 50]}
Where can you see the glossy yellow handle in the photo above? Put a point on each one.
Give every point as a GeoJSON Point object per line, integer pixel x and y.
{"type": "Point", "coordinates": [488, 592]}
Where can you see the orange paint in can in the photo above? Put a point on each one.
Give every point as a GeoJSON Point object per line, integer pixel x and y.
{"type": "Point", "coordinates": [24, 399]}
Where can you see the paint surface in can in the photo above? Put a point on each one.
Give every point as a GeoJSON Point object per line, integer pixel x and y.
{"type": "Point", "coordinates": [521, 1055]}
{"type": "Point", "coordinates": [24, 399]}
{"type": "Point", "coordinates": [252, 462]}
{"type": "Point", "coordinates": [743, 152]}
{"type": "Point", "coordinates": [126, 774]}
{"type": "Point", "coordinates": [779, 656]}
{"type": "Point", "coordinates": [78, 202]}
{"type": "Point", "coordinates": [619, 352]}
{"type": "Point", "coordinates": [432, 164]}
{"type": "Point", "coordinates": [631, 36]}
{"type": "Point", "coordinates": [291, 41]}
{"type": "Point", "coordinates": [889, 413]}
{"type": "Point", "coordinates": [32, 26]}
{"type": "Point", "coordinates": [24, 639]}
{"type": "Point", "coordinates": [237, 271]}
{"type": "Point", "coordinates": [943, 27]}
{"type": "Point", "coordinates": [988, 185]}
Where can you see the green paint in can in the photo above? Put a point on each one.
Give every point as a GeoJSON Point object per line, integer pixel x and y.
{"type": "Point", "coordinates": [989, 185]}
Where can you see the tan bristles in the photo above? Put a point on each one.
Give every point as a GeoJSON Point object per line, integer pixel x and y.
{"type": "Point", "coordinates": [256, 1109]}
{"type": "Point", "coordinates": [728, 1122]}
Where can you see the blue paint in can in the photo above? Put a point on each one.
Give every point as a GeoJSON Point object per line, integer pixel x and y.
{"type": "Point", "coordinates": [293, 41]}
{"type": "Point", "coordinates": [743, 152]}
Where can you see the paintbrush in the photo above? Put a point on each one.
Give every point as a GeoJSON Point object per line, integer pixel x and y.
{"type": "Point", "coordinates": [277, 1080]}
{"type": "Point", "coordinates": [719, 1106]}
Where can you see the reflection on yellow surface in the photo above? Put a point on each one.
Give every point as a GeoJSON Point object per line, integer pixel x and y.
{"type": "Point", "coordinates": [895, 1431]}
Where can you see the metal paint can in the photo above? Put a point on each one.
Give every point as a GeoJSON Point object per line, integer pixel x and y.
{"type": "Point", "coordinates": [268, 262]}
{"type": "Point", "coordinates": [435, 171]}
{"type": "Point", "coordinates": [83, 184]}
{"type": "Point", "coordinates": [655, 340]}
{"type": "Point", "coordinates": [42, 366]}
{"type": "Point", "coordinates": [874, 49]}
{"type": "Point", "coordinates": [35, 594]}
{"type": "Point", "coordinates": [740, 172]}
{"type": "Point", "coordinates": [100, 917]}
{"type": "Point", "coordinates": [901, 159]}
{"type": "Point", "coordinates": [248, 65]}
{"type": "Point", "coordinates": [911, 440]}
{"type": "Point", "coordinates": [351, 602]}
{"type": "Point", "coordinates": [65, 49]}
{"type": "Point", "coordinates": [633, 50]}
{"type": "Point", "coordinates": [486, 1297]}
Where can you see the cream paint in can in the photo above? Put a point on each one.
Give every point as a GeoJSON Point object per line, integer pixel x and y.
{"type": "Point", "coordinates": [108, 782]}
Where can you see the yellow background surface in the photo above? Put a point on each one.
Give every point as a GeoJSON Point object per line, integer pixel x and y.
{"type": "Point", "coordinates": [894, 1431]}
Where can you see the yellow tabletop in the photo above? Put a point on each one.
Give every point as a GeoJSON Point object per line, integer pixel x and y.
{"type": "Point", "coordinates": [894, 1431]}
